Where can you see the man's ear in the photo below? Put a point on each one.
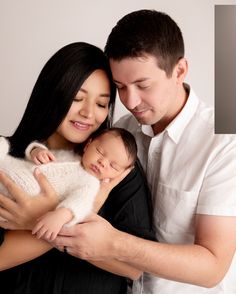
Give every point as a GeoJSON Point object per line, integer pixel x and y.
{"type": "Point", "coordinates": [181, 70]}
{"type": "Point", "coordinates": [87, 144]}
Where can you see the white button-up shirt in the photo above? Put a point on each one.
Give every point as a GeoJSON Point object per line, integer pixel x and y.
{"type": "Point", "coordinates": [190, 170]}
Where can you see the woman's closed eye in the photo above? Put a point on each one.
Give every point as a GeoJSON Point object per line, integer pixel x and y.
{"type": "Point", "coordinates": [78, 99]}
{"type": "Point", "coordinates": [102, 105]}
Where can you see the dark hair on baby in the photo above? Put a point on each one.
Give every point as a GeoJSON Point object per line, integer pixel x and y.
{"type": "Point", "coordinates": [127, 138]}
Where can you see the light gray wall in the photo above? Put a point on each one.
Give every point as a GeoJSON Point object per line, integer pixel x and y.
{"type": "Point", "coordinates": [31, 31]}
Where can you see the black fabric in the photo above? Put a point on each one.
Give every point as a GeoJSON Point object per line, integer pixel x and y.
{"type": "Point", "coordinates": [1, 235]}
{"type": "Point", "coordinates": [128, 209]}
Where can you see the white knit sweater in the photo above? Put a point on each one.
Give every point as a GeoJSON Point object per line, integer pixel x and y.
{"type": "Point", "coordinates": [75, 186]}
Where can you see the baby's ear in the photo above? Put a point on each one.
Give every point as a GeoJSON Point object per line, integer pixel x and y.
{"type": "Point", "coordinates": [107, 180]}
{"type": "Point", "coordinates": [87, 144]}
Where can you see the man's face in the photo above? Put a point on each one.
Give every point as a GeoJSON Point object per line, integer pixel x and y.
{"type": "Point", "coordinates": [145, 90]}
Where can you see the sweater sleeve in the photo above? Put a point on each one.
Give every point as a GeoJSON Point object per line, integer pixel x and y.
{"type": "Point", "coordinates": [31, 146]}
{"type": "Point", "coordinates": [80, 200]}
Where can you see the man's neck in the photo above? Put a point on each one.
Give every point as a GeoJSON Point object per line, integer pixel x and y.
{"type": "Point", "coordinates": [181, 99]}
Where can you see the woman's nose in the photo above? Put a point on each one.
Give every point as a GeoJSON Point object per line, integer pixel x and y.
{"type": "Point", "coordinates": [86, 111]}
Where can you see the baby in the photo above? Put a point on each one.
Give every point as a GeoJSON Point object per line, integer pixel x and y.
{"type": "Point", "coordinates": [75, 179]}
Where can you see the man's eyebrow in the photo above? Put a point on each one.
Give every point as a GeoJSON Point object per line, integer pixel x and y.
{"type": "Point", "coordinates": [136, 81]}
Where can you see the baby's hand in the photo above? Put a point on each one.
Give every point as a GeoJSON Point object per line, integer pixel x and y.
{"type": "Point", "coordinates": [47, 227]}
{"type": "Point", "coordinates": [50, 224]}
{"type": "Point", "coordinates": [40, 155]}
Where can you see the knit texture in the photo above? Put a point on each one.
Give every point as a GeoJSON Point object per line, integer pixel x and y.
{"type": "Point", "coordinates": [75, 187]}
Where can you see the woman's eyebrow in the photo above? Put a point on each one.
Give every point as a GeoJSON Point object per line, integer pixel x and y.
{"type": "Point", "coordinates": [107, 95]}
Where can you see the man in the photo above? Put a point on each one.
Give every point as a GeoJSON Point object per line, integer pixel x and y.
{"type": "Point", "coordinates": [191, 171]}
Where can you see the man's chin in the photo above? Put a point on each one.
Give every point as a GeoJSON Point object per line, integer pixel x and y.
{"type": "Point", "coordinates": [143, 121]}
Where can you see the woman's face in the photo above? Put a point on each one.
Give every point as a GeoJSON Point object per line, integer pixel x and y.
{"type": "Point", "coordinates": [87, 112]}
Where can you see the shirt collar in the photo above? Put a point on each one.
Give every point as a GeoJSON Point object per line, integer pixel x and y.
{"type": "Point", "coordinates": [177, 126]}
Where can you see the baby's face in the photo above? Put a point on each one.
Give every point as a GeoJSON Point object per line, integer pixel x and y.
{"type": "Point", "coordinates": [106, 157]}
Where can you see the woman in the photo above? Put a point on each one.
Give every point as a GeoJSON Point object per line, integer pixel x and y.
{"type": "Point", "coordinates": [73, 97]}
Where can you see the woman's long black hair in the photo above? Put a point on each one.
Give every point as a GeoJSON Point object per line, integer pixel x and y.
{"type": "Point", "coordinates": [54, 91]}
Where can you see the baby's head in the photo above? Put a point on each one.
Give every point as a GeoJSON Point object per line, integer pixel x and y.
{"type": "Point", "coordinates": [110, 153]}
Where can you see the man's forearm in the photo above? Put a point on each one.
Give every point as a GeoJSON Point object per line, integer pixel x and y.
{"type": "Point", "coordinates": [203, 263]}
{"type": "Point", "coordinates": [119, 268]}
{"type": "Point", "coordinates": [192, 264]}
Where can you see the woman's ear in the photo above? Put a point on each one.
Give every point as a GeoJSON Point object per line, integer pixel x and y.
{"type": "Point", "coordinates": [87, 144]}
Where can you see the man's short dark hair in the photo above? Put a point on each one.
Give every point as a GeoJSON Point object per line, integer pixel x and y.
{"type": "Point", "coordinates": [145, 32]}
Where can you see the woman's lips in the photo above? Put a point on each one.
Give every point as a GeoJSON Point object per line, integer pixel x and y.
{"type": "Point", "coordinates": [81, 126]}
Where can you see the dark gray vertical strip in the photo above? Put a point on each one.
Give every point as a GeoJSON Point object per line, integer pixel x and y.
{"type": "Point", "coordinates": [225, 69]}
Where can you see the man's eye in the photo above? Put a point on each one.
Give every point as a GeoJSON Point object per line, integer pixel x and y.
{"type": "Point", "coordinates": [143, 86]}
{"type": "Point", "coordinates": [120, 87]}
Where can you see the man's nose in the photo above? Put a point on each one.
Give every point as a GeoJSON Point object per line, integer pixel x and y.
{"type": "Point", "coordinates": [130, 99]}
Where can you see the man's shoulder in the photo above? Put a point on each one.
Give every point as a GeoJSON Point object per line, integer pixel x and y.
{"type": "Point", "coordinates": [202, 129]}
{"type": "Point", "coordinates": [205, 118]}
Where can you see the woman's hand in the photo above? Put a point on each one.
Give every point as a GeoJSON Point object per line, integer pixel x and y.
{"type": "Point", "coordinates": [22, 212]}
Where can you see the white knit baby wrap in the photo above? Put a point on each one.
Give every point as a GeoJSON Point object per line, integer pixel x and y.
{"type": "Point", "coordinates": [75, 186]}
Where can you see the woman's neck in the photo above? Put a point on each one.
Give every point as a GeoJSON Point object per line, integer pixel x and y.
{"type": "Point", "coordinates": [56, 141]}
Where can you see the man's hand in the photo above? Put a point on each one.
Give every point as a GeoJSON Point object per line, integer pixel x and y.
{"type": "Point", "coordinates": [91, 240]}
{"type": "Point", "coordinates": [22, 212]}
